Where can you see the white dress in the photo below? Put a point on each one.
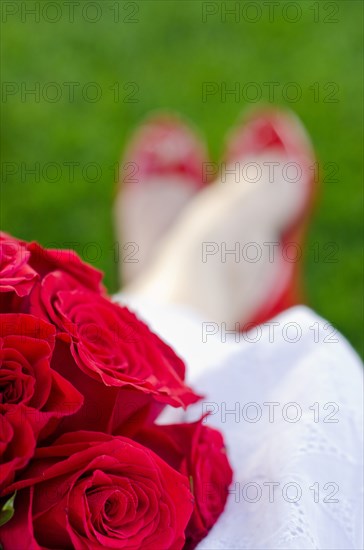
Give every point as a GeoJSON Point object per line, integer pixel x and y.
{"type": "Point", "coordinates": [288, 398]}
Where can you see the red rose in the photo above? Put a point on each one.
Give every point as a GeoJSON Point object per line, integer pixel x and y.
{"type": "Point", "coordinates": [17, 444]}
{"type": "Point", "coordinates": [24, 266]}
{"type": "Point", "coordinates": [198, 452]}
{"type": "Point", "coordinates": [16, 275]}
{"type": "Point", "coordinates": [92, 491]}
{"type": "Point", "coordinates": [122, 366]}
{"type": "Point", "coordinates": [45, 261]}
{"type": "Point", "coordinates": [29, 387]}
{"type": "Point", "coordinates": [58, 270]}
{"type": "Point", "coordinates": [44, 295]}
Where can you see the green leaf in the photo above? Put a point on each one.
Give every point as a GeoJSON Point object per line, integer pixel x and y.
{"type": "Point", "coordinates": [7, 510]}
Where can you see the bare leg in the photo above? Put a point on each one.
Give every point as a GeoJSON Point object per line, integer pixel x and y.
{"type": "Point", "coordinates": [161, 172]}
{"type": "Point", "coordinates": [221, 255]}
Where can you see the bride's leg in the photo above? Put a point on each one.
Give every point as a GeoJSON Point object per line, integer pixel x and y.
{"type": "Point", "coordinates": [222, 256]}
{"type": "Point", "coordinates": [161, 171]}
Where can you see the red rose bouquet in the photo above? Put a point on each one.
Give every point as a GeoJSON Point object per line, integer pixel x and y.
{"type": "Point", "coordinates": [83, 464]}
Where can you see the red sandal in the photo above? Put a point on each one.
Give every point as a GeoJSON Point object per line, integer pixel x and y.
{"type": "Point", "coordinates": [279, 132]}
{"type": "Point", "coordinates": [162, 169]}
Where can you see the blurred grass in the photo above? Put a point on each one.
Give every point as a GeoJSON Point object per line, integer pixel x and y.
{"type": "Point", "coordinates": [169, 53]}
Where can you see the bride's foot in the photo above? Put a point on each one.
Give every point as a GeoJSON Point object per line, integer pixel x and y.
{"type": "Point", "coordinates": [226, 256]}
{"type": "Point", "coordinates": [161, 170]}
{"type": "Point", "coordinates": [266, 134]}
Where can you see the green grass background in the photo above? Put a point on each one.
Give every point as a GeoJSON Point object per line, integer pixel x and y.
{"type": "Point", "coordinates": [169, 53]}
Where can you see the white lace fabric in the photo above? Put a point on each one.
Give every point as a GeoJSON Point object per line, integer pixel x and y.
{"type": "Point", "coordinates": [289, 402]}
